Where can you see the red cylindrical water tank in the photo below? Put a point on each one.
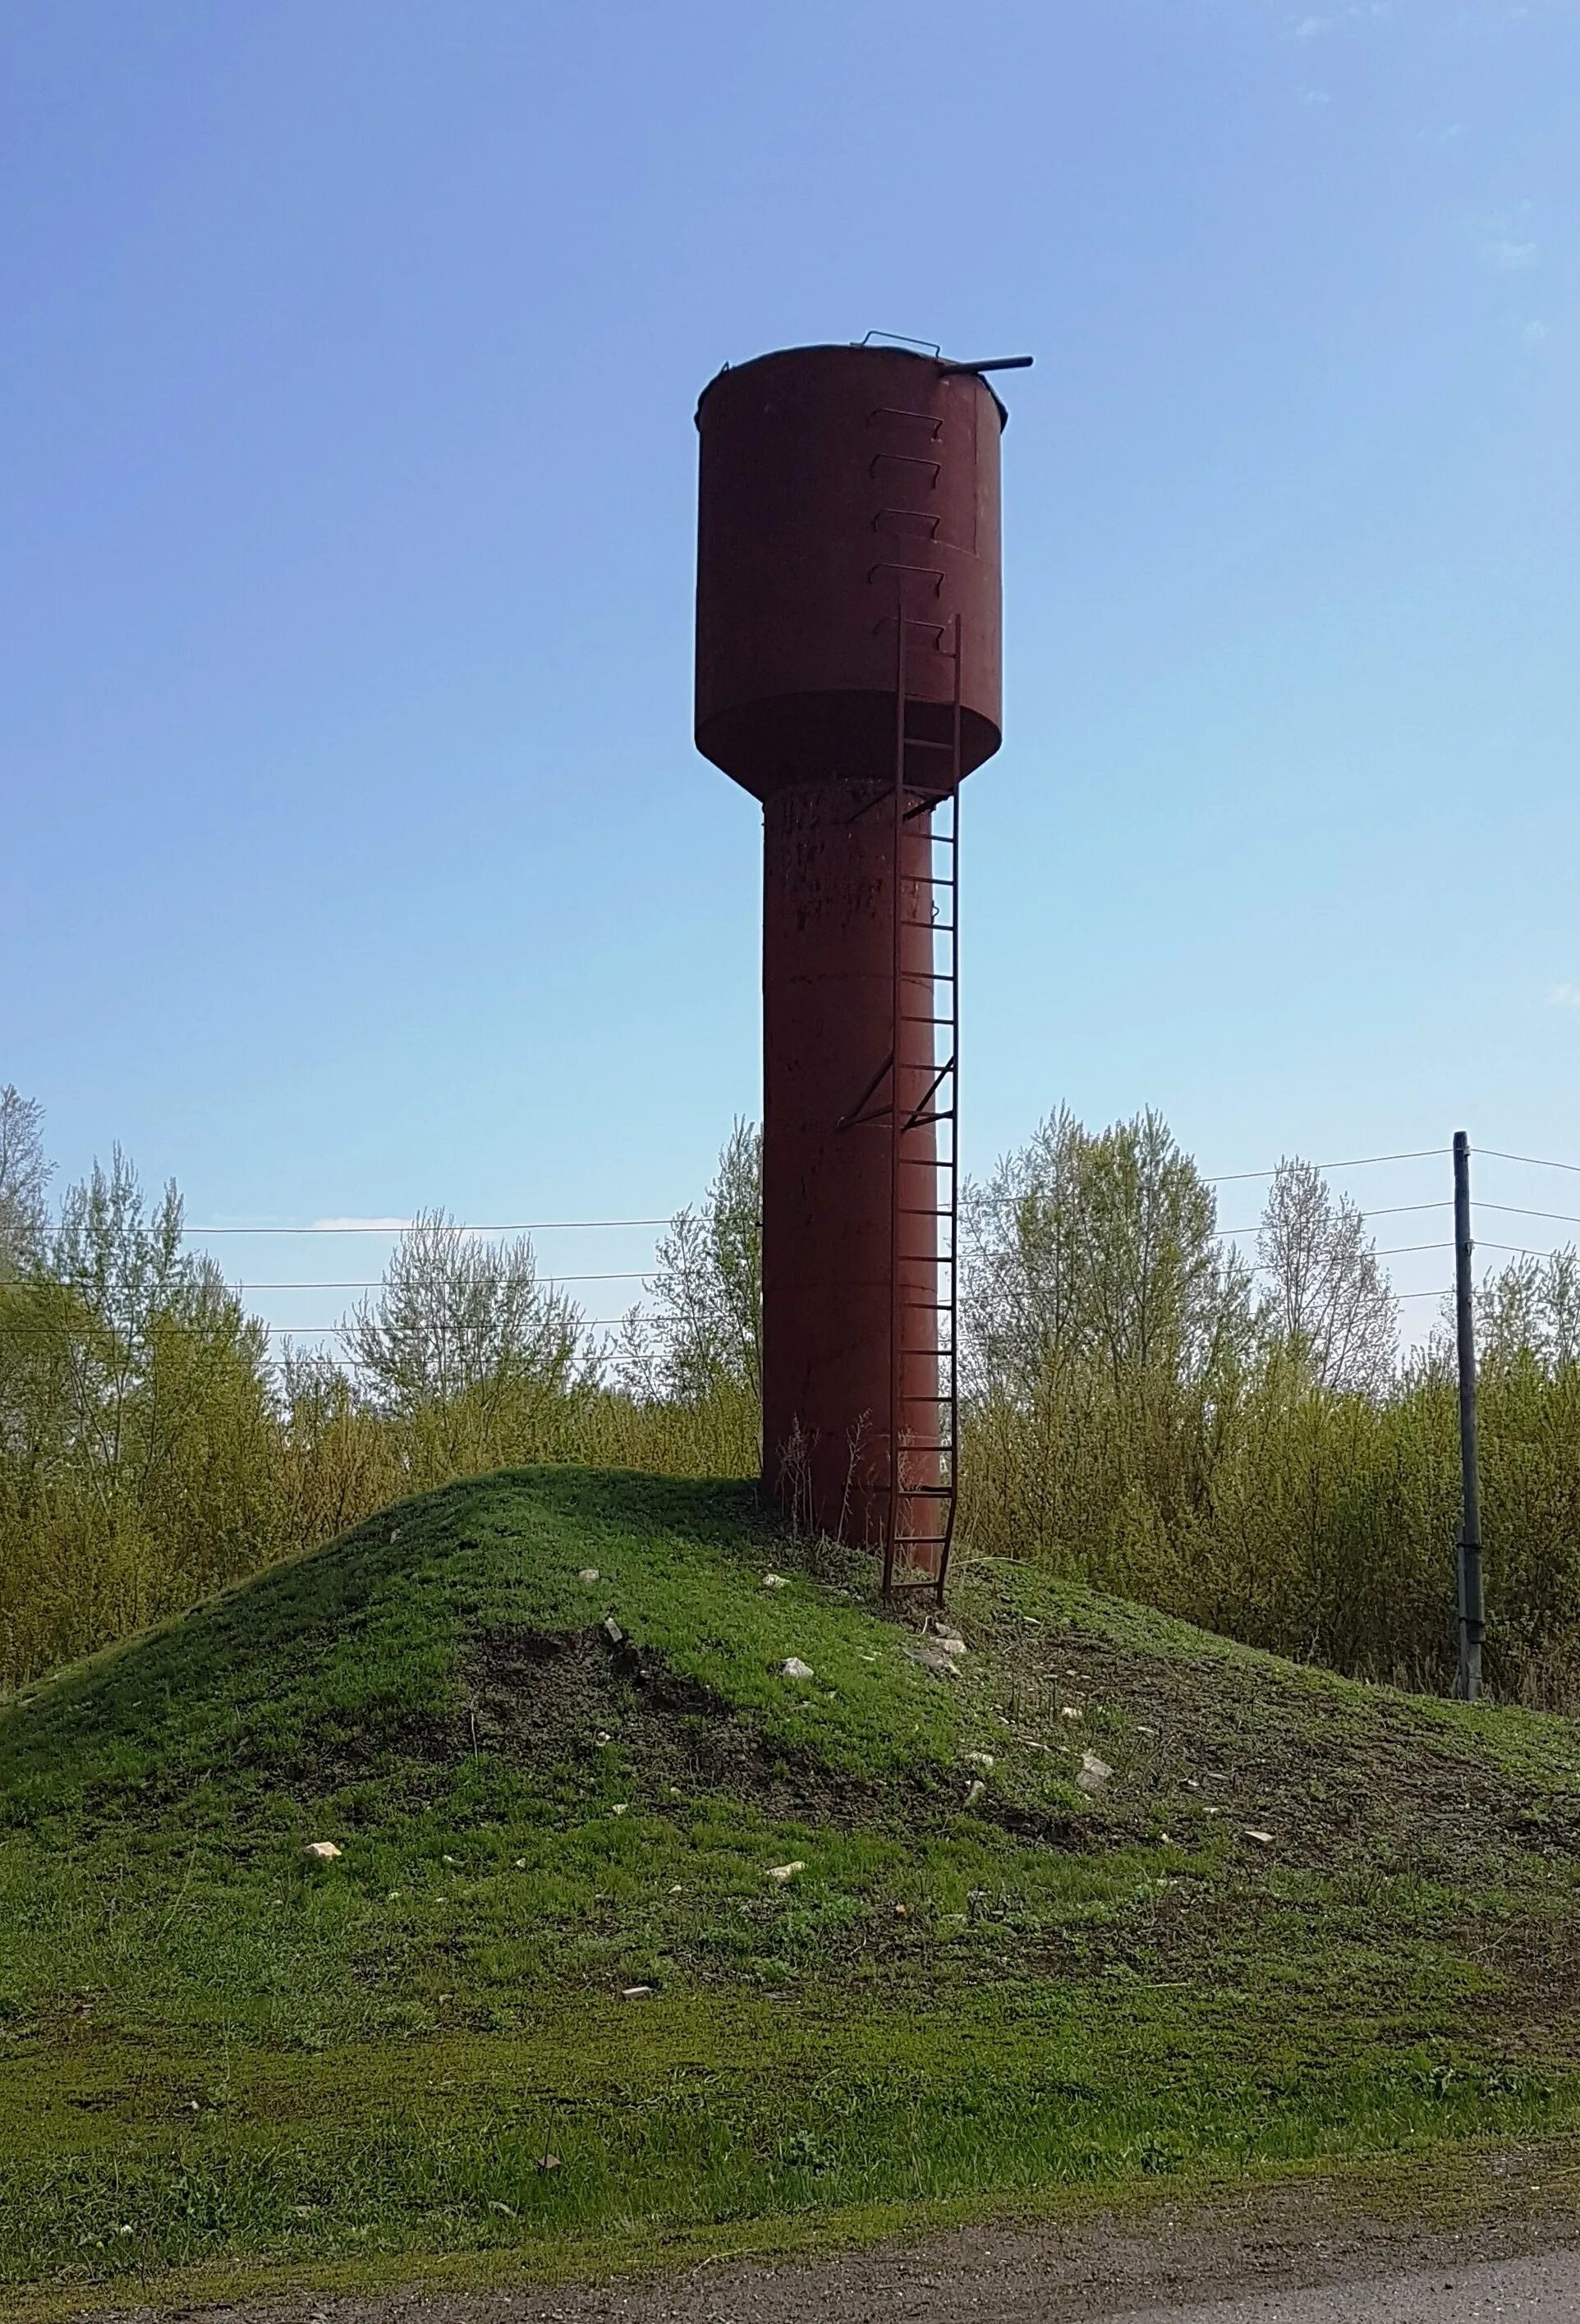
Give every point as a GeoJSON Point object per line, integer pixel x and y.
{"type": "Point", "coordinates": [835, 482]}
{"type": "Point", "coordinates": [848, 496]}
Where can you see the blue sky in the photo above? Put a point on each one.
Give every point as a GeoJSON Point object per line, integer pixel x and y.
{"type": "Point", "coordinates": [355, 852]}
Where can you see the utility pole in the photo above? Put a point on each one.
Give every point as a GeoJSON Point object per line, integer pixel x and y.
{"type": "Point", "coordinates": [1472, 1610]}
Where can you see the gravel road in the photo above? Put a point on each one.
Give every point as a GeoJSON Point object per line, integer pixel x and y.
{"type": "Point", "coordinates": [1272, 2256]}
{"type": "Point", "coordinates": [1544, 2290]}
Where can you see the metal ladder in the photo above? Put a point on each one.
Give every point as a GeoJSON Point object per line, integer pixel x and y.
{"type": "Point", "coordinates": [919, 1531]}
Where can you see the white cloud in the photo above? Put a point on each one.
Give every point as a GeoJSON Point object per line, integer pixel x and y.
{"type": "Point", "coordinates": [1534, 334]}
{"type": "Point", "coordinates": [1511, 257]}
{"type": "Point", "coordinates": [1441, 139]}
{"type": "Point", "coordinates": [1311, 28]}
{"type": "Point", "coordinates": [1564, 996]}
{"type": "Point", "coordinates": [1314, 97]}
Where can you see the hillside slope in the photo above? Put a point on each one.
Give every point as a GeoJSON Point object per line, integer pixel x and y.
{"type": "Point", "coordinates": [1297, 1920]}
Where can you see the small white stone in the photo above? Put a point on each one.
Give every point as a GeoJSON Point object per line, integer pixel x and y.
{"type": "Point", "coordinates": [322, 1851]}
{"type": "Point", "coordinates": [773, 1582]}
{"type": "Point", "coordinates": [634, 1992]}
{"type": "Point", "coordinates": [588, 1576]}
{"type": "Point", "coordinates": [782, 1872]}
{"type": "Point", "coordinates": [1094, 1772]}
{"type": "Point", "coordinates": [795, 1668]}
{"type": "Point", "coordinates": [612, 1632]}
{"type": "Point", "coordinates": [933, 1659]}
{"type": "Point", "coordinates": [951, 1643]}
{"type": "Point", "coordinates": [979, 1759]}
{"type": "Point", "coordinates": [1069, 1711]}
{"type": "Point", "coordinates": [1263, 1839]}
{"type": "Point", "coordinates": [619, 1808]}
{"type": "Point", "coordinates": [976, 1792]}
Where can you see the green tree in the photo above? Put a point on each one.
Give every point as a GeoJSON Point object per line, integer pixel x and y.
{"type": "Point", "coordinates": [1326, 1307]}
{"type": "Point", "coordinates": [24, 1178]}
{"type": "Point", "coordinates": [1101, 1251]}
{"type": "Point", "coordinates": [465, 1352]}
{"type": "Point", "coordinates": [1107, 1329]}
{"type": "Point", "coordinates": [701, 1335]}
{"type": "Point", "coordinates": [136, 1425]}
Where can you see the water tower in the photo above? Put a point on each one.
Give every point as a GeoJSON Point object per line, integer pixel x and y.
{"type": "Point", "coordinates": [848, 676]}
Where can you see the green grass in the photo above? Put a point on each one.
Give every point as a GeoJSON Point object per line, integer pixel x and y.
{"type": "Point", "coordinates": [220, 2060]}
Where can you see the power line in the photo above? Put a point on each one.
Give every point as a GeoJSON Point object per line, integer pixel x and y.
{"type": "Point", "coordinates": [626, 1275]}
{"type": "Point", "coordinates": [587, 1226]}
{"type": "Point", "coordinates": [1520, 1250]}
{"type": "Point", "coordinates": [269, 1331]}
{"type": "Point", "coordinates": [1355, 1162]}
{"type": "Point", "coordinates": [1568, 1218]}
{"type": "Point", "coordinates": [1385, 1211]}
{"type": "Point", "coordinates": [1537, 1161]}
{"type": "Point", "coordinates": [578, 1226]}
{"type": "Point", "coordinates": [405, 1226]}
{"type": "Point", "coordinates": [317, 1331]}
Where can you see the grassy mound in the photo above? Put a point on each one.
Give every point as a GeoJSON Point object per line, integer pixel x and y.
{"type": "Point", "coordinates": [1296, 1921]}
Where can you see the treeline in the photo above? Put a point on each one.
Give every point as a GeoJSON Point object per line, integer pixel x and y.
{"type": "Point", "coordinates": [1241, 1443]}
{"type": "Point", "coordinates": [153, 1449]}
{"type": "Point", "coordinates": [1236, 1439]}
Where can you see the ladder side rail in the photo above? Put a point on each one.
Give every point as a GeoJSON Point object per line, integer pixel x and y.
{"type": "Point", "coordinates": [896, 1320]}
{"type": "Point", "coordinates": [951, 1429]}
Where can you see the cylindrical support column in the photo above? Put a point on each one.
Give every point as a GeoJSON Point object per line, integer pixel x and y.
{"type": "Point", "coordinates": [829, 1085]}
